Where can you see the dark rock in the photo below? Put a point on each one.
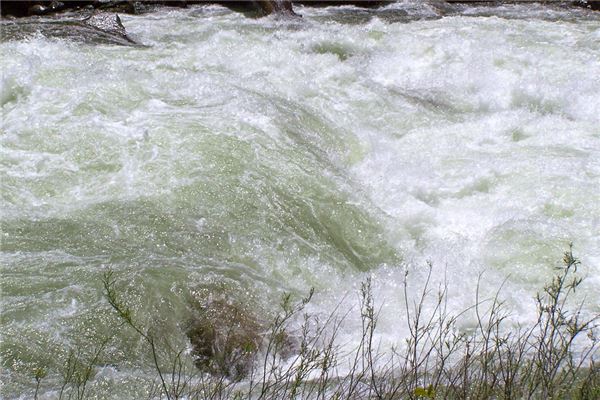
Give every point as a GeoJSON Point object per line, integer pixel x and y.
{"type": "Point", "coordinates": [57, 6]}
{"type": "Point", "coordinates": [126, 7]}
{"type": "Point", "coordinates": [224, 333]}
{"type": "Point", "coordinates": [442, 7]}
{"type": "Point", "coordinates": [258, 8]}
{"type": "Point", "coordinates": [180, 3]}
{"type": "Point", "coordinates": [137, 7]}
{"type": "Point", "coordinates": [357, 3]}
{"type": "Point", "coordinates": [280, 7]}
{"type": "Point", "coordinates": [15, 8]}
{"type": "Point", "coordinates": [25, 8]}
{"type": "Point", "coordinates": [37, 9]}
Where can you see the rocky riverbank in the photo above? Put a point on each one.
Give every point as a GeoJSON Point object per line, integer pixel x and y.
{"type": "Point", "coordinates": [97, 21]}
{"type": "Point", "coordinates": [256, 7]}
{"type": "Point", "coordinates": [30, 8]}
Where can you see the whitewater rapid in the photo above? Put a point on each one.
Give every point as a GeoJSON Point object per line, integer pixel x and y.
{"type": "Point", "coordinates": [279, 155]}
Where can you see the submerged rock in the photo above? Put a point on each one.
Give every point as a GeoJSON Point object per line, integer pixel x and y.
{"type": "Point", "coordinates": [224, 332]}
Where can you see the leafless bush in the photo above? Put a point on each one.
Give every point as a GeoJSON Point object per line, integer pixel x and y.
{"type": "Point", "coordinates": [299, 357]}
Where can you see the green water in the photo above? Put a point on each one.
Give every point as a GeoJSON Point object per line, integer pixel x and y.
{"type": "Point", "coordinates": [255, 157]}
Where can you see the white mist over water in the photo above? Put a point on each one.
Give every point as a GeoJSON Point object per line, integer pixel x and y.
{"type": "Point", "coordinates": [282, 155]}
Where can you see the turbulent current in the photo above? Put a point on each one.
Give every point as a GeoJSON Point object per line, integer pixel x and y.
{"type": "Point", "coordinates": [265, 156]}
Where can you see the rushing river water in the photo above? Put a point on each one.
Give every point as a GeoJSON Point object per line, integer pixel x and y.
{"type": "Point", "coordinates": [270, 156]}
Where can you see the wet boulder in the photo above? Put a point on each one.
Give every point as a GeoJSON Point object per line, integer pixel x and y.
{"type": "Point", "coordinates": [109, 25]}
{"type": "Point", "coordinates": [280, 7]}
{"type": "Point", "coordinates": [225, 333]}
{"type": "Point", "coordinates": [37, 9]}
{"type": "Point", "coordinates": [259, 8]}
{"type": "Point", "coordinates": [99, 28]}
{"type": "Point", "coordinates": [26, 8]}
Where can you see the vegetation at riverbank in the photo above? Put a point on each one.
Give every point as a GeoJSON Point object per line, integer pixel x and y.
{"type": "Point", "coordinates": [298, 355]}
